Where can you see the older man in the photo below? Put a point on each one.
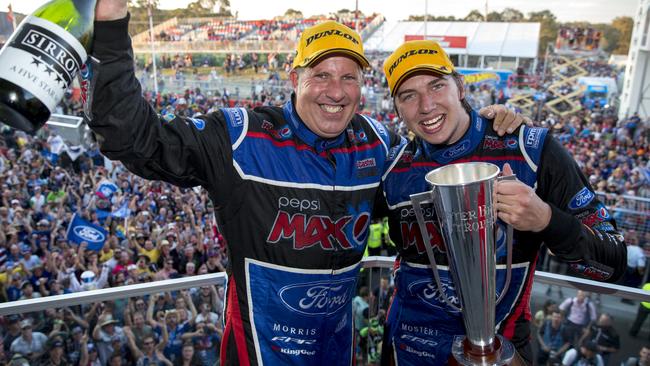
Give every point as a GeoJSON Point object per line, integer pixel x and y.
{"type": "Point", "coordinates": [294, 185]}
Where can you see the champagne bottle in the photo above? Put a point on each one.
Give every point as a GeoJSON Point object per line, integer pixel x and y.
{"type": "Point", "coordinates": [41, 59]}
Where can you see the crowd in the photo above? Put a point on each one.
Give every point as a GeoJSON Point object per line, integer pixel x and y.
{"type": "Point", "coordinates": [170, 233]}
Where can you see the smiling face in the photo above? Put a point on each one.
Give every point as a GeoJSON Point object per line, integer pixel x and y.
{"type": "Point", "coordinates": [431, 105]}
{"type": "Point", "coordinates": [327, 94]}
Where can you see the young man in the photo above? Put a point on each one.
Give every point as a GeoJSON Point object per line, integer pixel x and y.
{"type": "Point", "coordinates": [562, 211]}
{"type": "Point", "coordinates": [295, 187]}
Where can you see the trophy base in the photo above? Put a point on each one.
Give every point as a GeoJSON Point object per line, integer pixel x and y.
{"type": "Point", "coordinates": [501, 352]}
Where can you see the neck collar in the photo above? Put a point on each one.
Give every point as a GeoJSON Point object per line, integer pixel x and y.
{"type": "Point", "coordinates": [444, 154]}
{"type": "Point", "coordinates": [304, 133]}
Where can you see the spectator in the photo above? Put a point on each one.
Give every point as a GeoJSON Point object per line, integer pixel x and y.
{"type": "Point", "coordinates": [636, 262]}
{"type": "Point", "coordinates": [642, 360]}
{"type": "Point", "coordinates": [553, 340]}
{"type": "Point", "coordinates": [30, 344]}
{"type": "Point", "coordinates": [381, 296]}
{"type": "Point", "coordinates": [641, 314]}
{"type": "Point", "coordinates": [108, 337]}
{"type": "Point", "coordinates": [587, 354]}
{"type": "Point", "coordinates": [604, 335]}
{"type": "Point", "coordinates": [359, 305]}
{"type": "Point", "coordinates": [579, 312]}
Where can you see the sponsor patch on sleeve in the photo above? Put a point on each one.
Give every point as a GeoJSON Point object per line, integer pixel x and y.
{"type": "Point", "coordinates": [198, 123]}
{"type": "Point", "coordinates": [581, 199]}
{"type": "Point", "coordinates": [235, 116]}
{"type": "Point", "coordinates": [593, 271]}
{"type": "Point", "coordinates": [533, 137]}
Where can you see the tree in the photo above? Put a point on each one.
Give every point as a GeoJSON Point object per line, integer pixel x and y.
{"type": "Point", "coordinates": [624, 25]}
{"type": "Point", "coordinates": [433, 18]}
{"type": "Point", "coordinates": [511, 15]}
{"type": "Point", "coordinates": [293, 13]}
{"type": "Point", "coordinates": [474, 16]}
{"type": "Point", "coordinates": [494, 16]}
{"type": "Point", "coordinates": [548, 28]}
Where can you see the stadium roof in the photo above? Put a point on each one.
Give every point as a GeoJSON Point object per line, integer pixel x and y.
{"type": "Point", "coordinates": [471, 38]}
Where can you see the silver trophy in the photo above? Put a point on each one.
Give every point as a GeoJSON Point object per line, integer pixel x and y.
{"type": "Point", "coordinates": [463, 197]}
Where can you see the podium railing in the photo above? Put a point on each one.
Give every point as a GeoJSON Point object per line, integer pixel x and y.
{"type": "Point", "coordinates": [122, 292]}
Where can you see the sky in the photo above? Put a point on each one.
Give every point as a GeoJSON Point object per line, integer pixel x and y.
{"type": "Point", "coordinates": [596, 11]}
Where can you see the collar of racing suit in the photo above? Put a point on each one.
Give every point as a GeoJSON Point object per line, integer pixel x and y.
{"type": "Point", "coordinates": [303, 132]}
{"type": "Point", "coordinates": [444, 154]}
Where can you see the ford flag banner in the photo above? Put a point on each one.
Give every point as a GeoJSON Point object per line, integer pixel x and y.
{"type": "Point", "coordinates": [81, 230]}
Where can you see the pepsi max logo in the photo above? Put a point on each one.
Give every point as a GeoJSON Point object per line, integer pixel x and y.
{"type": "Point", "coordinates": [457, 150]}
{"type": "Point", "coordinates": [318, 298]}
{"type": "Point", "coordinates": [361, 136]}
{"type": "Point", "coordinates": [285, 132]}
{"type": "Point", "coordinates": [88, 233]}
{"type": "Point", "coordinates": [603, 213]}
{"type": "Point", "coordinates": [581, 199]}
{"type": "Point", "coordinates": [511, 143]}
{"type": "Point", "coordinates": [85, 71]}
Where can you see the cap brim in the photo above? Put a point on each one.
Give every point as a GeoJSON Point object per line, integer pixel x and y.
{"type": "Point", "coordinates": [436, 69]}
{"type": "Point", "coordinates": [359, 58]}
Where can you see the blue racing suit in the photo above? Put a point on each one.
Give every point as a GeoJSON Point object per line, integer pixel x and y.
{"type": "Point", "coordinates": [294, 208]}
{"type": "Point", "coordinates": [420, 326]}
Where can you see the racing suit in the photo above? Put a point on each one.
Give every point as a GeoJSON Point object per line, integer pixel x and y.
{"type": "Point", "coordinates": [293, 208]}
{"type": "Point", "coordinates": [420, 325]}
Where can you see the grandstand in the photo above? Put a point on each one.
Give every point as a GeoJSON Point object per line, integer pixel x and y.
{"type": "Point", "coordinates": [210, 35]}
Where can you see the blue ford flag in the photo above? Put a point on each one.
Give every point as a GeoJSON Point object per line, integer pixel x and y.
{"type": "Point", "coordinates": [82, 230]}
{"type": "Point", "coordinates": [123, 211]}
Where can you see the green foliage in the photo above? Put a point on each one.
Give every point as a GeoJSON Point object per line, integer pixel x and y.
{"type": "Point", "coordinates": [624, 25]}
{"type": "Point", "coordinates": [474, 16]}
{"type": "Point", "coordinates": [293, 13]}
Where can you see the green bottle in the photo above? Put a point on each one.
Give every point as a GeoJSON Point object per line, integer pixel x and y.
{"type": "Point", "coordinates": [41, 59]}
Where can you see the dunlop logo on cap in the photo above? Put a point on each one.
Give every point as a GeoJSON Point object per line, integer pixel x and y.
{"type": "Point", "coordinates": [422, 51]}
{"type": "Point", "coordinates": [331, 32]}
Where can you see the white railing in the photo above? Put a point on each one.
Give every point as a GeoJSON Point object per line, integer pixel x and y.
{"type": "Point", "coordinates": [39, 304]}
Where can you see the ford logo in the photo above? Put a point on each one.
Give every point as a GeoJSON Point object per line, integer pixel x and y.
{"type": "Point", "coordinates": [581, 199]}
{"type": "Point", "coordinates": [427, 291]}
{"type": "Point", "coordinates": [318, 298]}
{"type": "Point", "coordinates": [90, 234]}
{"type": "Point", "coordinates": [456, 150]}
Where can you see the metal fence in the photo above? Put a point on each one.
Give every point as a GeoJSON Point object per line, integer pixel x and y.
{"type": "Point", "coordinates": [631, 213]}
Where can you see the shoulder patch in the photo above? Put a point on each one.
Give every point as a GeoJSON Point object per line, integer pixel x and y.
{"type": "Point", "coordinates": [198, 123]}
{"type": "Point", "coordinates": [168, 117]}
{"type": "Point", "coordinates": [235, 116]}
{"type": "Point", "coordinates": [533, 137]}
{"type": "Point", "coordinates": [581, 199]}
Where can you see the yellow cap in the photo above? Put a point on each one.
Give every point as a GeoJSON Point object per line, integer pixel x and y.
{"type": "Point", "coordinates": [326, 38]}
{"type": "Point", "coordinates": [415, 56]}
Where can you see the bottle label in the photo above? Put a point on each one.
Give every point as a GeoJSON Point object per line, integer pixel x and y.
{"type": "Point", "coordinates": [43, 58]}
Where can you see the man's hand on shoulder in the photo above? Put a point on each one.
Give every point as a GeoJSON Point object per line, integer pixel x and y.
{"type": "Point", "coordinates": [110, 10]}
{"type": "Point", "coordinates": [504, 119]}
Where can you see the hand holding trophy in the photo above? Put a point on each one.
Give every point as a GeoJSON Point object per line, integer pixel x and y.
{"type": "Point", "coordinates": [463, 197]}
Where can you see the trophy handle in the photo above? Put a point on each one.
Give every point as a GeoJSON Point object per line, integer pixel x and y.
{"type": "Point", "coordinates": [417, 199]}
{"type": "Point", "coordinates": [509, 237]}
